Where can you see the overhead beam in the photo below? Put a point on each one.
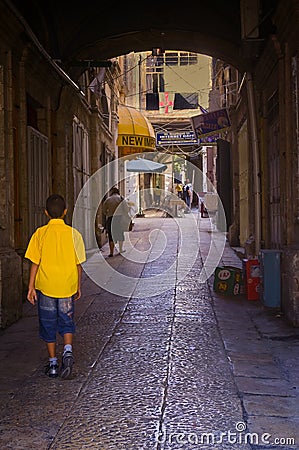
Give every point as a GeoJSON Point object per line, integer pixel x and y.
{"type": "Point", "coordinates": [89, 63]}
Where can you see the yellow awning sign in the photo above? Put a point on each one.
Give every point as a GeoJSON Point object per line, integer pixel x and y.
{"type": "Point", "coordinates": [136, 141]}
{"type": "Point", "coordinates": [135, 132]}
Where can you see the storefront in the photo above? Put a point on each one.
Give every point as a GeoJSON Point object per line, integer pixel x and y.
{"type": "Point", "coordinates": [135, 136]}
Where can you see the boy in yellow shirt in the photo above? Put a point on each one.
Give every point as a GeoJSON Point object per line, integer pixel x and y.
{"type": "Point", "coordinates": [56, 252]}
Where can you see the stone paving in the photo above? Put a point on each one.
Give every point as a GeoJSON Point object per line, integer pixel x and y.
{"type": "Point", "coordinates": [162, 361]}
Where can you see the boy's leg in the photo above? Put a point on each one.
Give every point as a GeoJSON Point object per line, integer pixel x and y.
{"type": "Point", "coordinates": [51, 346]}
{"type": "Point", "coordinates": [47, 312]}
{"type": "Point", "coordinates": [67, 357]}
{"type": "Point", "coordinates": [66, 328]}
{"type": "Point", "coordinates": [68, 339]}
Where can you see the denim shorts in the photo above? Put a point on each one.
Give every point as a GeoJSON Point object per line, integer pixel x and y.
{"type": "Point", "coordinates": [55, 315]}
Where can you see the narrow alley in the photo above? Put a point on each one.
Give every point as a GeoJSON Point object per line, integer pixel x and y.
{"type": "Point", "coordinates": [178, 368]}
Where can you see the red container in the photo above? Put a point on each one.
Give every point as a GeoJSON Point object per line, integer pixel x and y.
{"type": "Point", "coordinates": [251, 275]}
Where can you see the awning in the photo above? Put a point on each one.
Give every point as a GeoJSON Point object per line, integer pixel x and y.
{"type": "Point", "coordinates": [135, 132]}
{"type": "Point", "coordinates": [142, 165]}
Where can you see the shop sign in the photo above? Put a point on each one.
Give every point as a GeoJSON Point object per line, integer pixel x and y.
{"type": "Point", "coordinates": [166, 139]}
{"type": "Point", "coordinates": [127, 140]}
{"type": "Point", "coordinates": [210, 123]}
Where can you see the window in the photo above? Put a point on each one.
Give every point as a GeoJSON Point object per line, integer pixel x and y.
{"type": "Point", "coordinates": [81, 164]}
{"type": "Point", "coordinates": [152, 101]}
{"type": "Point", "coordinates": [105, 104]}
{"type": "Point", "coordinates": [171, 58]}
{"type": "Point", "coordinates": [155, 79]}
{"type": "Point", "coordinates": [187, 59]}
{"type": "Point", "coordinates": [192, 58]}
{"type": "Point", "coordinates": [156, 64]}
{"type": "Point", "coordinates": [81, 174]}
{"type": "Point", "coordinates": [155, 82]}
{"type": "Point", "coordinates": [105, 108]}
{"type": "Point", "coordinates": [38, 175]}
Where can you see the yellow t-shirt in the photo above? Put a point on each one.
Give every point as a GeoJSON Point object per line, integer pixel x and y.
{"type": "Point", "coordinates": [57, 248]}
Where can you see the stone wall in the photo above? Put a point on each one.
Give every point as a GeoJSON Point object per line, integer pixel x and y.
{"type": "Point", "coordinates": [10, 288]}
{"type": "Point", "coordinates": [35, 94]}
{"type": "Point", "coordinates": [290, 285]}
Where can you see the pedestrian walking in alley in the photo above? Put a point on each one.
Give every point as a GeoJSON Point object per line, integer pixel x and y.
{"type": "Point", "coordinates": [179, 190]}
{"type": "Point", "coordinates": [116, 210]}
{"type": "Point", "coordinates": [187, 194]}
{"type": "Point", "coordinates": [157, 195]}
{"type": "Point", "coordinates": [56, 252]}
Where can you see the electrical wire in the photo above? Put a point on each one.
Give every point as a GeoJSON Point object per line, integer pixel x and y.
{"type": "Point", "coordinates": [170, 122]}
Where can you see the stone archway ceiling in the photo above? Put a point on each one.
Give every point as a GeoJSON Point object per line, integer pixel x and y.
{"type": "Point", "coordinates": [102, 30]}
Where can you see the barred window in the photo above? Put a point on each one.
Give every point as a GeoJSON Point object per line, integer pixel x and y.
{"type": "Point", "coordinates": [171, 58]}
{"type": "Point", "coordinates": [157, 63]}
{"type": "Point", "coordinates": [188, 59]}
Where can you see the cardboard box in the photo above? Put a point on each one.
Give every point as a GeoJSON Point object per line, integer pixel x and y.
{"type": "Point", "coordinates": [228, 280]}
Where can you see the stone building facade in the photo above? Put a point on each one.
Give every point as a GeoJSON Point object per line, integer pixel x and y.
{"type": "Point", "coordinates": [264, 148]}
{"type": "Point", "coordinates": [54, 134]}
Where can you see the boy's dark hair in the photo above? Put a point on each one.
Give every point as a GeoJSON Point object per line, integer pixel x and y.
{"type": "Point", "coordinates": [55, 206]}
{"type": "Point", "coordinates": [114, 190]}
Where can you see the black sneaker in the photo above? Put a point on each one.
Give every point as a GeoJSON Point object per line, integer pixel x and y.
{"type": "Point", "coordinates": [67, 365]}
{"type": "Point", "coordinates": [52, 370]}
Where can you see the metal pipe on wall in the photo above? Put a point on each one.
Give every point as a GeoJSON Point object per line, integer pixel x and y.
{"type": "Point", "coordinates": [256, 161]}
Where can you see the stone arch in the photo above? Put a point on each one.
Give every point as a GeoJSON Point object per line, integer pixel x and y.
{"type": "Point", "coordinates": [193, 41]}
{"type": "Point", "coordinates": [113, 29]}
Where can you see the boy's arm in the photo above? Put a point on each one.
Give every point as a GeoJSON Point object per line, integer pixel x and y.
{"type": "Point", "coordinates": [31, 296]}
{"type": "Point", "coordinates": [78, 294]}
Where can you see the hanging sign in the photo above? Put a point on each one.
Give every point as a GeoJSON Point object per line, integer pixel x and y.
{"type": "Point", "coordinates": [187, 138]}
{"type": "Point", "coordinates": [210, 123]}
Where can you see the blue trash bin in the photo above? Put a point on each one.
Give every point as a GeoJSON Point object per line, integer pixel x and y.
{"type": "Point", "coordinates": [270, 288]}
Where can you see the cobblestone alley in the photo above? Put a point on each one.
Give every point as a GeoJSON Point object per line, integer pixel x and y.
{"type": "Point", "coordinates": [165, 364]}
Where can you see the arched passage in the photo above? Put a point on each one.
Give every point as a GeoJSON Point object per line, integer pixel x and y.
{"type": "Point", "coordinates": [91, 32]}
{"type": "Point", "coordinates": [74, 36]}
